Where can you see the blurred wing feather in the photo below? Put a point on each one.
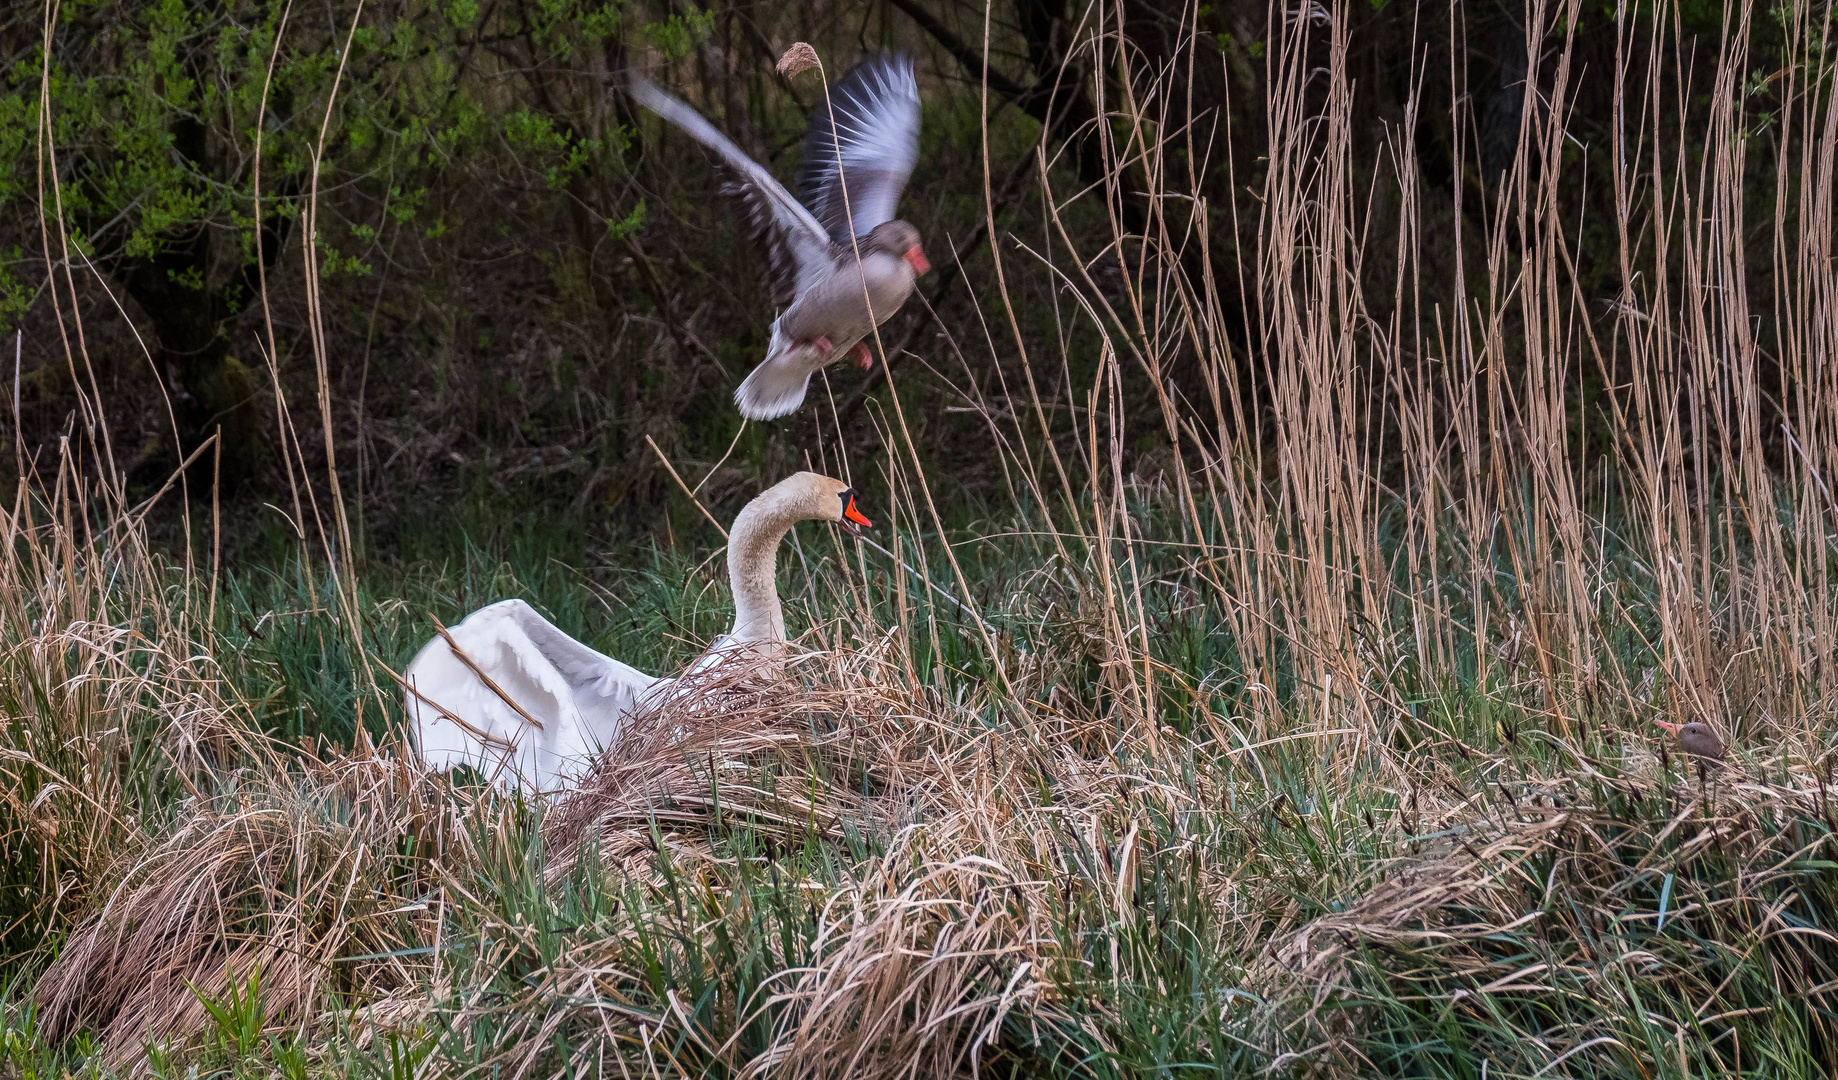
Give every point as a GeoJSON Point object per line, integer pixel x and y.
{"type": "Point", "coordinates": [796, 248]}
{"type": "Point", "coordinates": [865, 140]}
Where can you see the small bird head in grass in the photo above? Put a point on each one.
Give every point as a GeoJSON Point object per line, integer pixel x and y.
{"type": "Point", "coordinates": [1696, 738]}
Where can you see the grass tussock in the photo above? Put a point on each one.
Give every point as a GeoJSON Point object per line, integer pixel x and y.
{"type": "Point", "coordinates": [737, 741]}
{"type": "Point", "coordinates": [1677, 916]}
{"type": "Point", "coordinates": [306, 878]}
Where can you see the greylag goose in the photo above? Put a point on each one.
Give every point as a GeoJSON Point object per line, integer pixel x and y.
{"type": "Point", "coordinates": [508, 693]}
{"type": "Point", "coordinates": [861, 143]}
{"type": "Point", "coordinates": [1695, 737]}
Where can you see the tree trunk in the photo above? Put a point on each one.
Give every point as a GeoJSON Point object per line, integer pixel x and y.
{"type": "Point", "coordinates": [191, 318]}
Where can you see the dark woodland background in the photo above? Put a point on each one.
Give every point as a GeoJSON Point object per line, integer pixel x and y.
{"type": "Point", "coordinates": [520, 277]}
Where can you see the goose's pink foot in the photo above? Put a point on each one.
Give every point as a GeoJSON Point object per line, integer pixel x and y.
{"type": "Point", "coordinates": [822, 345]}
{"type": "Point", "coordinates": [862, 357]}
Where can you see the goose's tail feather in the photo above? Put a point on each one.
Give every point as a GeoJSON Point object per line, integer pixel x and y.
{"type": "Point", "coordinates": [777, 385]}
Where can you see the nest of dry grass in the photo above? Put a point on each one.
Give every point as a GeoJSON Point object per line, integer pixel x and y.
{"type": "Point", "coordinates": [828, 747]}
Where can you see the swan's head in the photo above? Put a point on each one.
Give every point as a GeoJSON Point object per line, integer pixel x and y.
{"type": "Point", "coordinates": [901, 239]}
{"type": "Point", "coordinates": [815, 497]}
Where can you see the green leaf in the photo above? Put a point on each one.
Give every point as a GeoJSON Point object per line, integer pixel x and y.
{"type": "Point", "coordinates": [619, 230]}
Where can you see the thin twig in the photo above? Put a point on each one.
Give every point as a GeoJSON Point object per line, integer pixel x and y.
{"type": "Point", "coordinates": [490, 684]}
{"type": "Point", "coordinates": [679, 483]}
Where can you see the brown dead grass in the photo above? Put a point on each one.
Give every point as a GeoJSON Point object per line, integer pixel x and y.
{"type": "Point", "coordinates": [287, 872]}
{"type": "Point", "coordinates": [826, 738]}
{"type": "Point", "coordinates": [1557, 892]}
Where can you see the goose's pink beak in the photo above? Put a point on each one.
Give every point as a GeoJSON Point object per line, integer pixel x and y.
{"type": "Point", "coordinates": [1672, 729]}
{"type": "Point", "coordinates": [917, 259]}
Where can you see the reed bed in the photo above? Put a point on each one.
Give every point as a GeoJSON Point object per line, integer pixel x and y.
{"type": "Point", "coordinates": [1309, 731]}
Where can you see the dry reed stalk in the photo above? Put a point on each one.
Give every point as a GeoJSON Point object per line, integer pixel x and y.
{"type": "Point", "coordinates": [1477, 391]}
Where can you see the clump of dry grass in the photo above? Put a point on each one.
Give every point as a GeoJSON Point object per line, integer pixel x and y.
{"type": "Point", "coordinates": [289, 871]}
{"type": "Point", "coordinates": [1685, 912]}
{"type": "Point", "coordinates": [804, 753]}
{"type": "Point", "coordinates": [111, 704]}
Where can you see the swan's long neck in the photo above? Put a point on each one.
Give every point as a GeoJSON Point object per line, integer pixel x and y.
{"type": "Point", "coordinates": [753, 548]}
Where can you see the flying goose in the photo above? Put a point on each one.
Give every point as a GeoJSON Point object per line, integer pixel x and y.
{"type": "Point", "coordinates": [861, 142]}
{"type": "Point", "coordinates": [508, 693]}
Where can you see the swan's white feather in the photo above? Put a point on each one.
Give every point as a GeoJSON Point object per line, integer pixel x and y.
{"type": "Point", "coordinates": [582, 699]}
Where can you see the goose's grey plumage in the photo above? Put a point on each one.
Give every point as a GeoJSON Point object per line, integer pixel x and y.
{"type": "Point", "coordinates": [838, 263]}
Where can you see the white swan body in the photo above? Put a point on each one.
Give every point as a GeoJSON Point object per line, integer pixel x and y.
{"type": "Point", "coordinates": [580, 698]}
{"type": "Point", "coordinates": [528, 706]}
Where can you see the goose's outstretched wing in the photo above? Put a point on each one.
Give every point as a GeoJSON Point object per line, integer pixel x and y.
{"type": "Point", "coordinates": [526, 704]}
{"type": "Point", "coordinates": [796, 247]}
{"type": "Point", "coordinates": [865, 139]}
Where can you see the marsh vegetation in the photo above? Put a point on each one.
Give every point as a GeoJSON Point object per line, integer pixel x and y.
{"type": "Point", "coordinates": [1333, 436]}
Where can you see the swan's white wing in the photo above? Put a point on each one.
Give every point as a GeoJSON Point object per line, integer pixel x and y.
{"type": "Point", "coordinates": [455, 719]}
{"type": "Point", "coordinates": [581, 699]}
{"type": "Point", "coordinates": [594, 678]}
{"type": "Point", "coordinates": [796, 247]}
{"type": "Point", "coordinates": [866, 140]}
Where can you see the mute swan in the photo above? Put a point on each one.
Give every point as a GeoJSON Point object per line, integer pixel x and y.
{"type": "Point", "coordinates": [510, 694]}
{"type": "Point", "coordinates": [811, 254]}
